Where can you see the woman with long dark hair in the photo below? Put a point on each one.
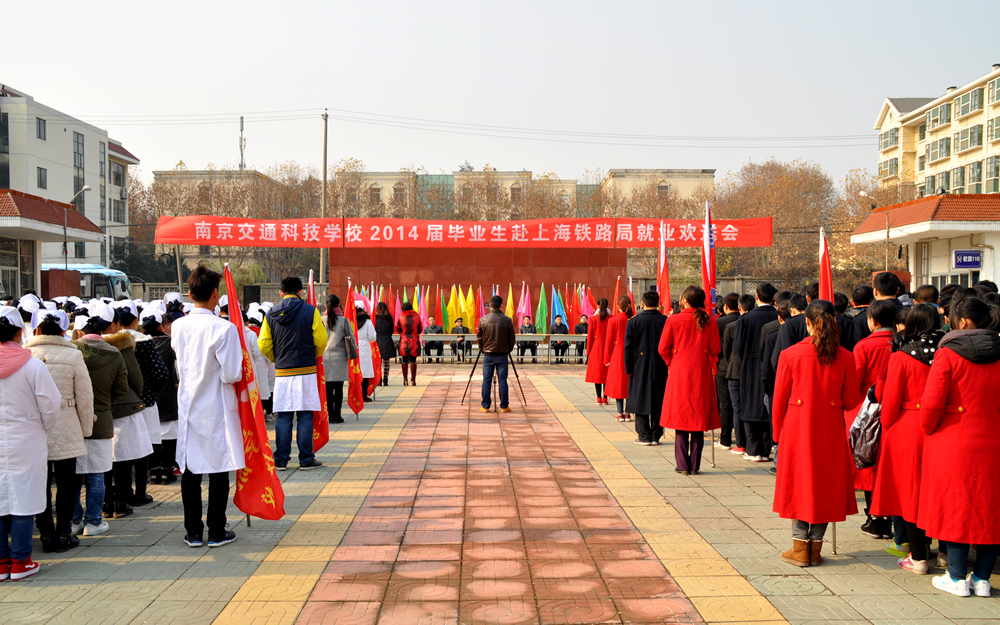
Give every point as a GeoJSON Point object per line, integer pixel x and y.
{"type": "Point", "coordinates": [597, 331]}
{"type": "Point", "coordinates": [335, 363]}
{"type": "Point", "coordinates": [960, 473]}
{"type": "Point", "coordinates": [614, 357]}
{"type": "Point", "coordinates": [897, 481]}
{"type": "Point", "coordinates": [383, 333]}
{"type": "Point", "coordinates": [816, 378]}
{"type": "Point", "coordinates": [690, 406]}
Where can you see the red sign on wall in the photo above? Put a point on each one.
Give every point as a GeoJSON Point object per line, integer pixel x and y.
{"type": "Point", "coordinates": [410, 233]}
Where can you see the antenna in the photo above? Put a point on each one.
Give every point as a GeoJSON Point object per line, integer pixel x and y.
{"type": "Point", "coordinates": [243, 146]}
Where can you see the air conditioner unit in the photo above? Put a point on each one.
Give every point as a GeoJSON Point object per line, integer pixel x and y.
{"type": "Point", "coordinates": [124, 193]}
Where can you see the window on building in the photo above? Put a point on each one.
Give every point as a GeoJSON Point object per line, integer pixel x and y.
{"type": "Point", "coordinates": [663, 190]}
{"type": "Point", "coordinates": [958, 180]}
{"type": "Point", "coordinates": [889, 138]}
{"type": "Point", "coordinates": [888, 168]}
{"type": "Point", "coordinates": [564, 198]}
{"type": "Point", "coordinates": [467, 193]}
{"type": "Point", "coordinates": [937, 150]}
{"type": "Point", "coordinates": [515, 193]}
{"type": "Point", "coordinates": [993, 129]}
{"type": "Point", "coordinates": [27, 259]}
{"type": "Point", "coordinates": [40, 128]}
{"type": "Point", "coordinates": [399, 194]}
{"type": "Point", "coordinates": [78, 171]}
{"type": "Point", "coordinates": [993, 91]}
{"type": "Point", "coordinates": [969, 138]}
{"type": "Point", "coordinates": [118, 174]}
{"type": "Point", "coordinates": [974, 177]}
{"type": "Point", "coordinates": [993, 174]}
{"type": "Point", "coordinates": [204, 250]}
{"type": "Point", "coordinates": [922, 132]}
{"type": "Point", "coordinates": [492, 193]}
{"type": "Point", "coordinates": [79, 250]}
{"type": "Point", "coordinates": [938, 116]}
{"type": "Point", "coordinates": [922, 163]}
{"type": "Point", "coordinates": [928, 188]}
{"type": "Point", "coordinates": [43, 178]}
{"type": "Point", "coordinates": [968, 102]}
{"type": "Point", "coordinates": [375, 194]}
{"type": "Point", "coordinates": [943, 181]}
{"type": "Point", "coordinates": [351, 195]}
{"type": "Point", "coordinates": [118, 211]}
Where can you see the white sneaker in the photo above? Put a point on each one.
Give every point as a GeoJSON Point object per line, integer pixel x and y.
{"type": "Point", "coordinates": [751, 458]}
{"type": "Point", "coordinates": [76, 528]}
{"type": "Point", "coordinates": [979, 586]}
{"type": "Point", "coordinates": [958, 588]}
{"type": "Point", "coordinates": [94, 530]}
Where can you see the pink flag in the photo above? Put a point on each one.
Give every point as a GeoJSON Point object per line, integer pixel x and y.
{"type": "Point", "coordinates": [399, 308]}
{"type": "Point", "coordinates": [524, 306]}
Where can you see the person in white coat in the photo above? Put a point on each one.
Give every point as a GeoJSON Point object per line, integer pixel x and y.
{"type": "Point", "coordinates": [209, 436]}
{"type": "Point", "coordinates": [366, 334]}
{"type": "Point", "coordinates": [29, 409]}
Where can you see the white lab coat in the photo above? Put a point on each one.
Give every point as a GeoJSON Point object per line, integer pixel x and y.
{"type": "Point", "coordinates": [29, 408]}
{"type": "Point", "coordinates": [259, 363]}
{"type": "Point", "coordinates": [209, 362]}
{"type": "Point", "coordinates": [366, 334]}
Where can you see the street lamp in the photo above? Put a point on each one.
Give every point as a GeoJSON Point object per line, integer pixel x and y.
{"type": "Point", "coordinates": [65, 221]}
{"type": "Point", "coordinates": [874, 206]}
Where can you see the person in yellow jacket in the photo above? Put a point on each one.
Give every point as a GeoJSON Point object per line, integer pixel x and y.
{"type": "Point", "coordinates": [292, 336]}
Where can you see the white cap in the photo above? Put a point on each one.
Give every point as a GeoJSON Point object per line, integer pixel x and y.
{"type": "Point", "coordinates": [29, 296]}
{"type": "Point", "coordinates": [42, 314]}
{"type": "Point", "coordinates": [188, 307]}
{"type": "Point", "coordinates": [149, 312]}
{"type": "Point", "coordinates": [11, 316]}
{"type": "Point", "coordinates": [172, 297]}
{"type": "Point", "coordinates": [50, 305]}
{"type": "Point", "coordinates": [139, 302]}
{"type": "Point", "coordinates": [76, 300]}
{"type": "Point", "coordinates": [224, 301]}
{"type": "Point", "coordinates": [256, 315]}
{"type": "Point", "coordinates": [157, 304]}
{"type": "Point", "coordinates": [60, 299]}
{"type": "Point", "coordinates": [128, 305]}
{"type": "Point", "coordinates": [97, 308]}
{"type": "Point", "coordinates": [266, 306]}
{"type": "Point", "coordinates": [28, 303]}
{"type": "Point", "coordinates": [80, 322]}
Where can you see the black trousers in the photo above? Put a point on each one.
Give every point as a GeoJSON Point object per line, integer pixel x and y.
{"type": "Point", "coordinates": [433, 346]}
{"type": "Point", "coordinates": [334, 400]}
{"type": "Point", "coordinates": [758, 438]}
{"type": "Point", "coordinates": [560, 348]}
{"type": "Point", "coordinates": [118, 481]}
{"type": "Point", "coordinates": [218, 498]}
{"type": "Point", "coordinates": [461, 349]}
{"type": "Point", "coordinates": [63, 473]}
{"type": "Point", "coordinates": [725, 409]}
{"type": "Point", "coordinates": [579, 350]}
{"type": "Point", "coordinates": [648, 428]}
{"type": "Point", "coordinates": [522, 348]}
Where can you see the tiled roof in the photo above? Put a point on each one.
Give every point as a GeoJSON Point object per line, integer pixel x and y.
{"type": "Point", "coordinates": [18, 204]}
{"type": "Point", "coordinates": [961, 207]}
{"type": "Point", "coordinates": [114, 147]}
{"type": "Point", "coordinates": [905, 105]}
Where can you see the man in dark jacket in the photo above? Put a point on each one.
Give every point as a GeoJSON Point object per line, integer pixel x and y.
{"type": "Point", "coordinates": [559, 347]}
{"type": "Point", "coordinates": [746, 343]}
{"type": "Point", "coordinates": [292, 337]}
{"type": "Point", "coordinates": [431, 346]}
{"type": "Point", "coordinates": [886, 286]}
{"type": "Point", "coordinates": [745, 304]}
{"type": "Point", "coordinates": [460, 347]}
{"type": "Point", "coordinates": [522, 346]}
{"type": "Point", "coordinates": [581, 329]}
{"type": "Point", "coordinates": [496, 342]}
{"type": "Point", "coordinates": [647, 372]}
{"type": "Point", "coordinates": [730, 309]}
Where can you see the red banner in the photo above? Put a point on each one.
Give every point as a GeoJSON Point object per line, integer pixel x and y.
{"type": "Point", "coordinates": [321, 417]}
{"type": "Point", "coordinates": [258, 490]}
{"type": "Point", "coordinates": [532, 233]}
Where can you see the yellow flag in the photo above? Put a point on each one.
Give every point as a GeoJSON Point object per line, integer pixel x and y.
{"type": "Point", "coordinates": [454, 311]}
{"type": "Point", "coordinates": [470, 308]}
{"type": "Point", "coordinates": [510, 301]}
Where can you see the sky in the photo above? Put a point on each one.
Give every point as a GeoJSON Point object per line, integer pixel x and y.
{"type": "Point", "coordinates": [560, 87]}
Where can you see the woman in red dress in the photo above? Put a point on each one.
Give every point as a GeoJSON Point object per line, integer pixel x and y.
{"type": "Point", "coordinates": [897, 481]}
{"type": "Point", "coordinates": [616, 386]}
{"type": "Point", "coordinates": [690, 406]}
{"type": "Point", "coordinates": [409, 327]}
{"type": "Point", "coordinates": [597, 330]}
{"type": "Point", "coordinates": [815, 486]}
{"type": "Point", "coordinates": [960, 473]}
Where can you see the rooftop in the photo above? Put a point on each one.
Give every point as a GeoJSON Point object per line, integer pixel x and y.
{"type": "Point", "coordinates": [969, 207]}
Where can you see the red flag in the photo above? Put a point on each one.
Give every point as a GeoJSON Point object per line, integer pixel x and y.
{"type": "Point", "coordinates": [825, 269]}
{"type": "Point", "coordinates": [663, 272]}
{"type": "Point", "coordinates": [614, 303]}
{"type": "Point", "coordinates": [574, 307]}
{"type": "Point", "coordinates": [708, 260]}
{"type": "Point", "coordinates": [593, 300]}
{"type": "Point", "coordinates": [390, 302]}
{"type": "Point", "coordinates": [376, 365]}
{"type": "Point", "coordinates": [321, 417]}
{"type": "Point", "coordinates": [479, 306]}
{"type": "Point", "coordinates": [355, 396]}
{"type": "Point", "coordinates": [258, 490]}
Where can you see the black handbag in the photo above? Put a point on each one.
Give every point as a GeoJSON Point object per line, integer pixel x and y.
{"type": "Point", "coordinates": [352, 349]}
{"type": "Point", "coordinates": [866, 434]}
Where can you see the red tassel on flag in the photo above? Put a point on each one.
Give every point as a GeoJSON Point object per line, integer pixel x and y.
{"type": "Point", "coordinates": [258, 490]}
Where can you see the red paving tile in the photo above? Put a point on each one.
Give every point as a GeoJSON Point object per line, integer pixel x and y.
{"type": "Point", "coordinates": [474, 519]}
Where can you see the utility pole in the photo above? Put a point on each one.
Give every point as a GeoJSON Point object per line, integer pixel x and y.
{"type": "Point", "coordinates": [322, 264]}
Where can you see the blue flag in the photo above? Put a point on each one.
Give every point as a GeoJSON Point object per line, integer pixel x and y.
{"type": "Point", "coordinates": [557, 306]}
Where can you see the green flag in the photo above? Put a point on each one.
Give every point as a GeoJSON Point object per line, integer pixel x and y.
{"type": "Point", "coordinates": [542, 312]}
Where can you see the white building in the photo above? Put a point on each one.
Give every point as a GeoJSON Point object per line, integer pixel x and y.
{"type": "Point", "coordinates": [52, 155]}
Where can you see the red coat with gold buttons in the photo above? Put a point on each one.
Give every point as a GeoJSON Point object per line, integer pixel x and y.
{"type": "Point", "coordinates": [597, 332]}
{"type": "Point", "coordinates": [616, 386]}
{"type": "Point", "coordinates": [815, 470]}
{"type": "Point", "coordinates": [871, 357]}
{"type": "Point", "coordinates": [689, 402]}
{"type": "Point", "coordinates": [897, 482]}
{"type": "Point", "coordinates": [960, 475]}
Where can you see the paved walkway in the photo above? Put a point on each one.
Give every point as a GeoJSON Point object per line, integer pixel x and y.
{"type": "Point", "coordinates": [429, 512]}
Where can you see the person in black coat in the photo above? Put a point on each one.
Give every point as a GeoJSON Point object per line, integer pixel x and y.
{"type": "Point", "coordinates": [886, 286]}
{"type": "Point", "coordinates": [384, 328]}
{"type": "Point", "coordinates": [730, 310]}
{"type": "Point", "coordinates": [460, 347]}
{"type": "Point", "coordinates": [161, 469]}
{"type": "Point", "coordinates": [646, 369]}
{"type": "Point", "coordinates": [746, 343]}
{"type": "Point", "coordinates": [558, 347]}
{"type": "Point", "coordinates": [581, 328]}
{"type": "Point", "coordinates": [746, 303]}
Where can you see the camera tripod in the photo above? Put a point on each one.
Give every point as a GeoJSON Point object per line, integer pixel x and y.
{"type": "Point", "coordinates": [522, 398]}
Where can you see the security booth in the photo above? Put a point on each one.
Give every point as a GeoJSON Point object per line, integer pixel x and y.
{"type": "Point", "coordinates": [950, 239]}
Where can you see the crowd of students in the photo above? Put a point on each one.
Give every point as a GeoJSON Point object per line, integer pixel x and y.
{"type": "Point", "coordinates": [790, 370]}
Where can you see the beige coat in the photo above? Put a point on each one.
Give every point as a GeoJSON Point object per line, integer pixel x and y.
{"type": "Point", "coordinates": [76, 413]}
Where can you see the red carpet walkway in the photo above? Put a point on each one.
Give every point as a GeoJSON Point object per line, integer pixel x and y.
{"type": "Point", "coordinates": [486, 518]}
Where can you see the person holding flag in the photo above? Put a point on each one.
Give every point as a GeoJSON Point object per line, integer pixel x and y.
{"type": "Point", "coordinates": [209, 436]}
{"type": "Point", "coordinates": [292, 336]}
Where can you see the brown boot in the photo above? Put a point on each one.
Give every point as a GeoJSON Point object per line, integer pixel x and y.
{"type": "Point", "coordinates": [799, 553]}
{"type": "Point", "coordinates": [413, 373]}
{"type": "Point", "coordinates": [406, 370]}
{"type": "Point", "coordinates": [815, 546]}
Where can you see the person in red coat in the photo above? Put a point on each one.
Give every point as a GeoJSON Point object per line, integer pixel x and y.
{"type": "Point", "coordinates": [409, 327]}
{"type": "Point", "coordinates": [616, 386]}
{"type": "Point", "coordinates": [597, 331]}
{"type": "Point", "coordinates": [690, 407]}
{"type": "Point", "coordinates": [871, 357]}
{"type": "Point", "coordinates": [960, 474]}
{"type": "Point", "coordinates": [815, 380]}
{"type": "Point", "coordinates": [897, 482]}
